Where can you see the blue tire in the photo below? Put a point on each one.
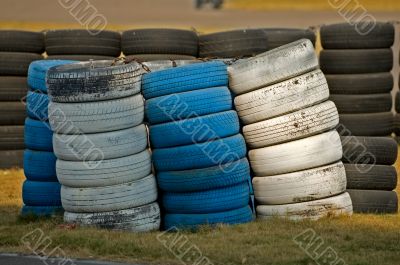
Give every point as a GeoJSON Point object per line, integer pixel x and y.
{"type": "Point", "coordinates": [40, 166]}
{"type": "Point", "coordinates": [193, 221]}
{"type": "Point", "coordinates": [38, 135]}
{"type": "Point", "coordinates": [194, 130]}
{"type": "Point", "coordinates": [35, 193]}
{"type": "Point", "coordinates": [37, 72]}
{"type": "Point", "coordinates": [208, 154]}
{"type": "Point", "coordinates": [41, 211]}
{"type": "Point", "coordinates": [37, 106]}
{"type": "Point", "coordinates": [184, 78]}
{"type": "Point", "coordinates": [209, 201]}
{"type": "Point", "coordinates": [206, 178]}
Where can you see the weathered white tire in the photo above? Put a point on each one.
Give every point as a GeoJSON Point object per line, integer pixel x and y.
{"type": "Point", "coordinates": [285, 97]}
{"type": "Point", "coordinates": [139, 219]}
{"type": "Point", "coordinates": [307, 185]}
{"type": "Point", "coordinates": [155, 66]}
{"type": "Point", "coordinates": [273, 66]}
{"type": "Point", "coordinates": [314, 151]}
{"type": "Point", "coordinates": [332, 206]}
{"type": "Point", "coordinates": [109, 198]}
{"type": "Point", "coordinates": [98, 116]}
{"type": "Point", "coordinates": [81, 174]}
{"type": "Point", "coordinates": [99, 146]}
{"type": "Point", "coordinates": [297, 125]}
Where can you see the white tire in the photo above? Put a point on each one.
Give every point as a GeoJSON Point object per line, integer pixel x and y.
{"type": "Point", "coordinates": [332, 206]}
{"type": "Point", "coordinates": [99, 146]}
{"type": "Point", "coordinates": [80, 174]}
{"type": "Point", "coordinates": [285, 97]}
{"type": "Point", "coordinates": [297, 125]}
{"type": "Point", "coordinates": [314, 151]}
{"type": "Point", "coordinates": [98, 116]}
{"type": "Point", "coordinates": [139, 219]}
{"type": "Point", "coordinates": [110, 198]}
{"type": "Point", "coordinates": [301, 186]}
{"type": "Point", "coordinates": [273, 66]}
{"type": "Point", "coordinates": [155, 66]}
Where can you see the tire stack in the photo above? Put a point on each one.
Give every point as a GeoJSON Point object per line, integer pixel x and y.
{"type": "Point", "coordinates": [282, 99]}
{"type": "Point", "coordinates": [41, 190]}
{"type": "Point", "coordinates": [159, 44]}
{"type": "Point", "coordinates": [198, 152]}
{"type": "Point", "coordinates": [17, 50]}
{"type": "Point", "coordinates": [357, 67]}
{"type": "Point", "coordinates": [103, 163]}
{"type": "Point", "coordinates": [82, 45]}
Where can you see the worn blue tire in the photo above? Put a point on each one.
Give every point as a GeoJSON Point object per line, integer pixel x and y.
{"type": "Point", "coordinates": [206, 178]}
{"type": "Point", "coordinates": [38, 135]}
{"type": "Point", "coordinates": [35, 193]}
{"type": "Point", "coordinates": [40, 166]}
{"type": "Point", "coordinates": [184, 78]}
{"type": "Point", "coordinates": [195, 130]}
{"type": "Point", "coordinates": [37, 106]}
{"type": "Point", "coordinates": [202, 155]}
{"type": "Point", "coordinates": [209, 201]}
{"type": "Point", "coordinates": [41, 211]}
{"type": "Point", "coordinates": [37, 72]}
{"type": "Point", "coordinates": [193, 221]}
{"type": "Point", "coordinates": [188, 104]}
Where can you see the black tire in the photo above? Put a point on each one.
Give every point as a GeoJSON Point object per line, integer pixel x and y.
{"type": "Point", "coordinates": [160, 41]}
{"type": "Point", "coordinates": [16, 63]}
{"type": "Point", "coordinates": [12, 88]}
{"type": "Point", "coordinates": [231, 44]}
{"type": "Point", "coordinates": [347, 36]}
{"type": "Point", "coordinates": [11, 159]}
{"type": "Point", "coordinates": [277, 37]}
{"type": "Point", "coordinates": [158, 57]}
{"type": "Point", "coordinates": [378, 177]}
{"type": "Point", "coordinates": [374, 83]}
{"type": "Point", "coordinates": [369, 150]}
{"type": "Point", "coordinates": [12, 113]}
{"type": "Point", "coordinates": [356, 61]}
{"type": "Point", "coordinates": [396, 124]}
{"type": "Point", "coordinates": [21, 41]}
{"type": "Point", "coordinates": [362, 103]}
{"type": "Point", "coordinates": [373, 124]}
{"type": "Point", "coordinates": [397, 102]}
{"type": "Point", "coordinates": [82, 57]}
{"type": "Point", "coordinates": [374, 201]}
{"type": "Point", "coordinates": [12, 137]}
{"type": "Point", "coordinates": [80, 41]}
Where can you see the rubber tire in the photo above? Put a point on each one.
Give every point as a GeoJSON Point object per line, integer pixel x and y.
{"type": "Point", "coordinates": [40, 166]}
{"type": "Point", "coordinates": [86, 174]}
{"type": "Point", "coordinates": [12, 137]}
{"type": "Point", "coordinates": [99, 146]}
{"type": "Point", "coordinates": [282, 98]}
{"type": "Point", "coordinates": [396, 124]}
{"type": "Point", "coordinates": [11, 159]}
{"type": "Point", "coordinates": [17, 63]}
{"type": "Point", "coordinates": [277, 37]}
{"type": "Point", "coordinates": [159, 57]}
{"type": "Point", "coordinates": [82, 41]}
{"type": "Point", "coordinates": [37, 106]}
{"type": "Point", "coordinates": [347, 36]}
{"type": "Point", "coordinates": [271, 67]}
{"type": "Point", "coordinates": [208, 154]}
{"type": "Point", "coordinates": [80, 57]}
{"type": "Point", "coordinates": [94, 81]}
{"type": "Point", "coordinates": [356, 61]}
{"type": "Point", "coordinates": [38, 135]}
{"type": "Point", "coordinates": [360, 124]}
{"type": "Point", "coordinates": [369, 150]}
{"type": "Point", "coordinates": [159, 65]}
{"type": "Point", "coordinates": [21, 41]}
{"type": "Point", "coordinates": [110, 198]}
{"type": "Point", "coordinates": [95, 117]}
{"type": "Point", "coordinates": [12, 88]}
{"type": "Point", "coordinates": [314, 151]}
{"type": "Point", "coordinates": [144, 218]}
{"type": "Point", "coordinates": [35, 193]}
{"type": "Point", "coordinates": [160, 41]}
{"type": "Point", "coordinates": [12, 113]}
{"type": "Point", "coordinates": [397, 101]}
{"type": "Point", "coordinates": [41, 211]}
{"type": "Point", "coordinates": [374, 83]}
{"type": "Point", "coordinates": [377, 178]}
{"type": "Point", "coordinates": [374, 201]}
{"type": "Point", "coordinates": [195, 130]}
{"type": "Point", "coordinates": [191, 104]}
{"type": "Point", "coordinates": [185, 78]}
{"type": "Point", "coordinates": [353, 104]}
{"type": "Point", "coordinates": [293, 126]}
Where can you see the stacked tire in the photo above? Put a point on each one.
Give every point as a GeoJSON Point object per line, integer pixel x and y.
{"type": "Point", "coordinates": [282, 100]}
{"type": "Point", "coordinates": [17, 50]}
{"type": "Point", "coordinates": [82, 45]}
{"type": "Point", "coordinates": [104, 166]}
{"type": "Point", "coordinates": [357, 67]}
{"type": "Point", "coordinates": [41, 190]}
{"type": "Point", "coordinates": [198, 152]}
